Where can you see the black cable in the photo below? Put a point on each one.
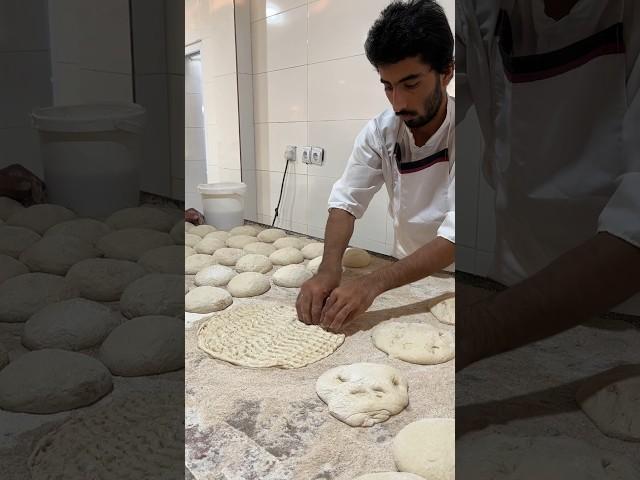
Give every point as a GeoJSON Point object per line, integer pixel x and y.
{"type": "Point", "coordinates": [284, 177]}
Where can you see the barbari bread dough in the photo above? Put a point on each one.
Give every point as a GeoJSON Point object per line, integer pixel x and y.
{"type": "Point", "coordinates": [140, 217]}
{"type": "Point", "coordinates": [188, 251]}
{"type": "Point", "coordinates": [208, 245]}
{"type": "Point", "coordinates": [75, 324]}
{"type": "Point", "coordinates": [15, 240]}
{"type": "Point", "coordinates": [240, 241]}
{"type": "Point", "coordinates": [270, 235]}
{"type": "Point", "coordinates": [177, 232]}
{"type": "Point", "coordinates": [163, 260]}
{"type": "Point", "coordinates": [313, 250]}
{"type": "Point", "coordinates": [154, 294]}
{"type": "Point", "coordinates": [86, 229]}
{"type": "Point", "coordinates": [414, 342]}
{"type": "Point", "coordinates": [260, 248]}
{"type": "Point", "coordinates": [390, 476]}
{"type": "Point", "coordinates": [8, 206]}
{"type": "Point", "coordinates": [202, 230]}
{"type": "Point", "coordinates": [243, 230]}
{"type": "Point", "coordinates": [248, 284]}
{"type": "Point", "coordinates": [445, 311]}
{"type": "Point", "coordinates": [612, 401]}
{"type": "Point", "coordinates": [57, 254]}
{"type": "Point", "coordinates": [214, 276]}
{"type": "Point", "coordinates": [427, 448]}
{"type": "Point", "coordinates": [265, 335]}
{"type": "Point", "coordinates": [288, 242]}
{"type": "Point", "coordinates": [194, 263]}
{"type": "Point", "coordinates": [10, 267]}
{"type": "Point", "coordinates": [132, 243]}
{"type": "Point", "coordinates": [191, 240]}
{"type": "Point", "coordinates": [363, 394]}
{"type": "Point", "coordinates": [253, 263]}
{"type": "Point", "coordinates": [104, 279]}
{"type": "Point", "coordinates": [40, 218]}
{"type": "Point", "coordinates": [145, 346]}
{"type": "Point", "coordinates": [50, 381]}
{"type": "Point", "coordinates": [207, 300]}
{"type": "Point", "coordinates": [4, 356]}
{"type": "Point", "coordinates": [218, 235]}
{"type": "Point", "coordinates": [291, 276]}
{"type": "Point", "coordinates": [356, 258]}
{"type": "Point", "coordinates": [286, 256]}
{"type": "Point", "coordinates": [228, 256]}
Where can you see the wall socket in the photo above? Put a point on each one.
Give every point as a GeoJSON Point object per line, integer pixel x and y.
{"type": "Point", "coordinates": [290, 153]}
{"type": "Point", "coordinates": [317, 155]}
{"type": "Point", "coordinates": [306, 155]}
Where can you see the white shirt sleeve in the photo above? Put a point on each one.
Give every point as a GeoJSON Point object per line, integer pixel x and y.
{"type": "Point", "coordinates": [362, 178]}
{"type": "Point", "coordinates": [448, 227]}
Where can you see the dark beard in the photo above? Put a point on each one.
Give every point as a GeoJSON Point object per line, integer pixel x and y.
{"type": "Point", "coordinates": [431, 106]}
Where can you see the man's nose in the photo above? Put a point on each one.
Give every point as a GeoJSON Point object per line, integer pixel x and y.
{"type": "Point", "coordinates": [398, 100]}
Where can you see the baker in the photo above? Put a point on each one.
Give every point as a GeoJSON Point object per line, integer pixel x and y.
{"type": "Point", "coordinates": [409, 148]}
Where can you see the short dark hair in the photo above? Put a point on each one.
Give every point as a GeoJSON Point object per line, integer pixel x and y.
{"type": "Point", "coordinates": [411, 28]}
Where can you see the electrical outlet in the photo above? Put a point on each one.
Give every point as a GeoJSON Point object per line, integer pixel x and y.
{"type": "Point", "coordinates": [306, 155]}
{"type": "Point", "coordinates": [317, 155]}
{"type": "Point", "coordinates": [290, 153]}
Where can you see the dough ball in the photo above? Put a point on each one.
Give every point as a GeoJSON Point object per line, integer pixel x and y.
{"type": "Point", "coordinates": [612, 401]}
{"type": "Point", "coordinates": [188, 226]}
{"type": "Point", "coordinates": [131, 243]}
{"type": "Point", "coordinates": [74, 324]}
{"type": "Point", "coordinates": [8, 206]}
{"type": "Point", "coordinates": [314, 264]}
{"type": "Point", "coordinates": [4, 356]}
{"type": "Point", "coordinates": [86, 229]}
{"type": "Point", "coordinates": [414, 342]}
{"type": "Point", "coordinates": [247, 230]}
{"type": "Point", "coordinates": [15, 240]}
{"type": "Point", "coordinates": [390, 476]}
{"type": "Point", "coordinates": [356, 258]}
{"type": "Point", "coordinates": [207, 299]}
{"type": "Point", "coordinates": [145, 346]}
{"type": "Point", "coordinates": [313, 250]}
{"type": "Point", "coordinates": [202, 230]}
{"type": "Point", "coordinates": [306, 241]}
{"type": "Point", "coordinates": [288, 242]}
{"type": "Point", "coordinates": [57, 254]}
{"type": "Point", "coordinates": [286, 256]}
{"type": "Point", "coordinates": [291, 276]}
{"type": "Point", "coordinates": [154, 294]}
{"type": "Point", "coordinates": [163, 260]}
{"type": "Point", "coordinates": [427, 448]}
{"type": "Point", "coordinates": [208, 245]}
{"type": "Point", "coordinates": [445, 311]}
{"type": "Point", "coordinates": [24, 295]}
{"type": "Point", "coordinates": [140, 217]}
{"type": "Point", "coordinates": [191, 240]}
{"type": "Point", "coordinates": [188, 251]}
{"type": "Point", "coordinates": [228, 256]}
{"type": "Point", "coordinates": [259, 248]}
{"type": "Point", "coordinates": [40, 218]}
{"type": "Point", "coordinates": [10, 267]}
{"type": "Point", "coordinates": [219, 234]}
{"type": "Point", "coordinates": [240, 241]}
{"type": "Point", "coordinates": [103, 279]}
{"type": "Point", "coordinates": [51, 381]}
{"type": "Point", "coordinates": [270, 235]}
{"type": "Point", "coordinates": [253, 263]}
{"type": "Point", "coordinates": [214, 276]}
{"type": "Point", "coordinates": [248, 284]}
{"type": "Point", "coordinates": [363, 394]}
{"type": "Point", "coordinates": [194, 263]}
{"type": "Point", "coordinates": [177, 232]}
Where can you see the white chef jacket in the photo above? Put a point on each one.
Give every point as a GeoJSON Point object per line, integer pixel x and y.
{"type": "Point", "coordinates": [420, 180]}
{"type": "Point", "coordinates": [530, 78]}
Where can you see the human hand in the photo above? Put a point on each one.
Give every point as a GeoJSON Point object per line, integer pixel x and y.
{"type": "Point", "coordinates": [313, 294]}
{"type": "Point", "coordinates": [347, 301]}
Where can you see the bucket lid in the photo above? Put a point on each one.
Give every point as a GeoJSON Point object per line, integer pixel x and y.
{"type": "Point", "coordinates": [91, 117]}
{"type": "Point", "coordinates": [222, 188]}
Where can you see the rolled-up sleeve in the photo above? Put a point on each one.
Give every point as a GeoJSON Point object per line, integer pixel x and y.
{"type": "Point", "coordinates": [362, 178]}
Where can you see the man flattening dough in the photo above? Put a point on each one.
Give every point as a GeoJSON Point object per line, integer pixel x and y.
{"type": "Point", "coordinates": [408, 148]}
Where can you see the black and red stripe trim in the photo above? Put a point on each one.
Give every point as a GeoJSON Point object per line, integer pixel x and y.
{"type": "Point", "coordinates": [411, 167]}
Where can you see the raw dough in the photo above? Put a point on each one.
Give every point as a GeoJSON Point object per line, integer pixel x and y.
{"type": "Point", "coordinates": [390, 476]}
{"type": "Point", "coordinates": [260, 248]}
{"type": "Point", "coordinates": [612, 401]}
{"type": "Point", "coordinates": [191, 240]}
{"type": "Point", "coordinates": [207, 299]}
{"type": "Point", "coordinates": [291, 276]}
{"type": "Point", "coordinates": [14, 240]}
{"type": "Point", "coordinates": [140, 217]}
{"type": "Point", "coordinates": [220, 235]}
{"type": "Point", "coordinates": [154, 294]}
{"type": "Point", "coordinates": [356, 258]}
{"type": "Point", "coordinates": [202, 230]}
{"type": "Point", "coordinates": [248, 284]}
{"type": "Point", "coordinates": [270, 235]}
{"type": "Point", "coordinates": [363, 394]}
{"type": "Point", "coordinates": [286, 256]}
{"type": "Point", "coordinates": [414, 342]}
{"type": "Point", "coordinates": [188, 251]}
{"type": "Point", "coordinates": [265, 335]}
{"type": "Point", "coordinates": [194, 263]}
{"type": "Point", "coordinates": [177, 232]}
{"type": "Point", "coordinates": [86, 229]}
{"type": "Point", "coordinates": [57, 254]}
{"type": "Point", "coordinates": [240, 241]}
{"type": "Point", "coordinates": [427, 448]}
{"type": "Point", "coordinates": [313, 250]}
{"type": "Point", "coordinates": [445, 311]}
{"type": "Point", "coordinates": [188, 226]}
{"type": "Point", "coordinates": [4, 356]}
{"type": "Point", "coordinates": [253, 263]}
{"type": "Point", "coordinates": [74, 324]}
{"type": "Point", "coordinates": [214, 276]}
{"type": "Point", "coordinates": [50, 381]}
{"type": "Point", "coordinates": [40, 218]}
{"type": "Point", "coordinates": [228, 256]}
{"type": "Point", "coordinates": [145, 346]}
{"type": "Point", "coordinates": [24, 295]}
{"type": "Point", "coordinates": [288, 242]}
{"type": "Point", "coordinates": [103, 279]}
{"type": "Point", "coordinates": [8, 206]}
{"type": "Point", "coordinates": [208, 245]}
{"type": "Point", "coordinates": [314, 264]}
{"type": "Point", "coordinates": [131, 243]}
{"type": "Point", "coordinates": [163, 260]}
{"type": "Point", "coordinates": [10, 267]}
{"type": "Point", "coordinates": [243, 230]}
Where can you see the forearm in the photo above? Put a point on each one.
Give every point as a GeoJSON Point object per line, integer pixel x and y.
{"type": "Point", "coordinates": [586, 281]}
{"type": "Point", "coordinates": [427, 260]}
{"type": "Point", "coordinates": [338, 232]}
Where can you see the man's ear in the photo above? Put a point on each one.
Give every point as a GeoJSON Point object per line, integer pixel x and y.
{"type": "Point", "coordinates": [448, 75]}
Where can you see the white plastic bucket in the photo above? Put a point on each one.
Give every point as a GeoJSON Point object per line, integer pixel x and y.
{"type": "Point", "coordinates": [223, 204]}
{"type": "Point", "coordinates": [91, 155]}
